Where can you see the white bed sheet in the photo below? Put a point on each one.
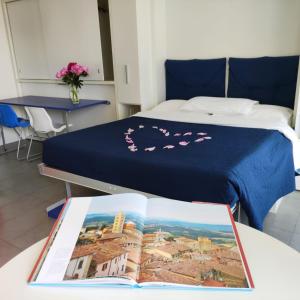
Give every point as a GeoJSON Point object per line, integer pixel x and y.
{"type": "Point", "coordinates": [263, 116]}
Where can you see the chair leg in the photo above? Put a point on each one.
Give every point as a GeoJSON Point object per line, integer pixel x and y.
{"type": "Point", "coordinates": [20, 138]}
{"type": "Point", "coordinates": [3, 139]}
{"type": "Point", "coordinates": [12, 150]}
{"type": "Point", "coordinates": [33, 156]}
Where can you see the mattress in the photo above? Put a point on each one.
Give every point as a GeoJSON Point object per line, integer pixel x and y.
{"type": "Point", "coordinates": [182, 160]}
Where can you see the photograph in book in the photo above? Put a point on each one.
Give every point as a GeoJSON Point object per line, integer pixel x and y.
{"type": "Point", "coordinates": [191, 253]}
{"type": "Point", "coordinates": [109, 244]}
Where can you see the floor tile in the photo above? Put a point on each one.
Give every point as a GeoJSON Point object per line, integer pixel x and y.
{"type": "Point", "coordinates": [297, 227]}
{"type": "Point", "coordinates": [285, 220]}
{"type": "Point", "coordinates": [282, 235]}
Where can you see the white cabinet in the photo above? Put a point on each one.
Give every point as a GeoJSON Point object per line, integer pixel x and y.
{"type": "Point", "coordinates": [47, 34]}
{"type": "Point", "coordinates": [125, 50]}
{"type": "Point", "coordinates": [131, 46]}
{"type": "Point", "coordinates": [27, 37]}
{"type": "Point", "coordinates": [71, 32]}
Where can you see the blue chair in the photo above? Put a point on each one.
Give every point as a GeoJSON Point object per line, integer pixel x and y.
{"type": "Point", "coordinates": [9, 119]}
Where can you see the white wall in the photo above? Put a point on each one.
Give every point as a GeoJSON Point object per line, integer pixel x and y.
{"type": "Point", "coordinates": [219, 28]}
{"type": "Point", "coordinates": [240, 28]}
{"type": "Point", "coordinates": [159, 55]}
{"type": "Point", "coordinates": [8, 86]}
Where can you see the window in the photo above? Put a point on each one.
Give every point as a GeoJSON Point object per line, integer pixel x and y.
{"type": "Point", "coordinates": [80, 265]}
{"type": "Point", "coordinates": [122, 268]}
{"type": "Point", "coordinates": [104, 267]}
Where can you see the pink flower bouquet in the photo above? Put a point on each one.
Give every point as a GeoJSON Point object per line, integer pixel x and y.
{"type": "Point", "coordinates": [71, 76]}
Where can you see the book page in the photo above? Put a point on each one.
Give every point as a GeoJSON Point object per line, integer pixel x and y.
{"type": "Point", "coordinates": [190, 244]}
{"type": "Point", "coordinates": [99, 237]}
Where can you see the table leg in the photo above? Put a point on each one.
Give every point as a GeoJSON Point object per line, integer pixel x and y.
{"type": "Point", "coordinates": [66, 116]}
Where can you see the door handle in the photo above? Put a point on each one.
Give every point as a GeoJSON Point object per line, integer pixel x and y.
{"type": "Point", "coordinates": [126, 74]}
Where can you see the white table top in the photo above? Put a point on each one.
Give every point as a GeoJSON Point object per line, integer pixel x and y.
{"type": "Point", "coordinates": [275, 269]}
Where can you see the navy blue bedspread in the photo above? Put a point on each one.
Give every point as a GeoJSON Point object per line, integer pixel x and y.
{"type": "Point", "coordinates": [184, 161]}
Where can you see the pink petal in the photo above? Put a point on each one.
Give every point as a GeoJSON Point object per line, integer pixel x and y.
{"type": "Point", "coordinates": [183, 143]}
{"type": "Point", "coordinates": [188, 133]}
{"type": "Point", "coordinates": [199, 140]}
{"type": "Point", "coordinates": [129, 142]}
{"type": "Point", "coordinates": [177, 134]}
{"type": "Point", "coordinates": [168, 147]}
{"type": "Point", "coordinates": [150, 149]}
{"type": "Point", "coordinates": [207, 138]}
{"type": "Point", "coordinates": [167, 134]}
{"type": "Point", "coordinates": [202, 133]}
{"type": "Point", "coordinates": [141, 126]}
{"type": "Point", "coordinates": [154, 127]}
{"type": "Point", "coordinates": [129, 130]}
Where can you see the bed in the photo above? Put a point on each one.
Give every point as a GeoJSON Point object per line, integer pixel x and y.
{"type": "Point", "coordinates": [190, 155]}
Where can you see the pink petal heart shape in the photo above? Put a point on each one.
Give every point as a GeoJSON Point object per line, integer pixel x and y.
{"type": "Point", "coordinates": [150, 149]}
{"type": "Point", "coordinates": [183, 143]}
{"type": "Point", "coordinates": [165, 132]}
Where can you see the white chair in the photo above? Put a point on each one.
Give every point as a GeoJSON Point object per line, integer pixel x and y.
{"type": "Point", "coordinates": [41, 123]}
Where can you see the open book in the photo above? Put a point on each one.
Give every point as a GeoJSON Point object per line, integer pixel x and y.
{"type": "Point", "coordinates": [127, 239]}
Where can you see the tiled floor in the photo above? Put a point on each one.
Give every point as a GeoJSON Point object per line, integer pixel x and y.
{"type": "Point", "coordinates": [285, 224]}
{"type": "Point", "coordinates": [24, 196]}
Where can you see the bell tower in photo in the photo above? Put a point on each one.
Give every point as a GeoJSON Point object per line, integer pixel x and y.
{"type": "Point", "coordinates": [118, 223]}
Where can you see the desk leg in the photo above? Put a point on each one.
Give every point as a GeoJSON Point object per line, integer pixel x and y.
{"type": "Point", "coordinates": [66, 116]}
{"type": "Point", "coordinates": [3, 139]}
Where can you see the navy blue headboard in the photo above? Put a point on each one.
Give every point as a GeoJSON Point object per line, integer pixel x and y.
{"type": "Point", "coordinates": [196, 77]}
{"type": "Point", "coordinates": [270, 80]}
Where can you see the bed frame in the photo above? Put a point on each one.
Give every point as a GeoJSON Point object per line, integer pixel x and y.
{"type": "Point", "coordinates": [69, 178]}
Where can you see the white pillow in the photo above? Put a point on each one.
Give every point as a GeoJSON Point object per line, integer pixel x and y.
{"type": "Point", "coordinates": [169, 105]}
{"type": "Point", "coordinates": [218, 105]}
{"type": "Point", "coordinates": [272, 112]}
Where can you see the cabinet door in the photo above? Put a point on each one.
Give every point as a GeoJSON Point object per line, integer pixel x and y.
{"type": "Point", "coordinates": [125, 50]}
{"type": "Point", "coordinates": [72, 34]}
{"type": "Point", "coordinates": [27, 38]}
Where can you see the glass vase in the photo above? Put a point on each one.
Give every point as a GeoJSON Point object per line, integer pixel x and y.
{"type": "Point", "coordinates": [74, 94]}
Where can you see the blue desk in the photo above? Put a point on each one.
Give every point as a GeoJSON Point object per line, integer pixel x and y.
{"type": "Point", "coordinates": [63, 104]}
